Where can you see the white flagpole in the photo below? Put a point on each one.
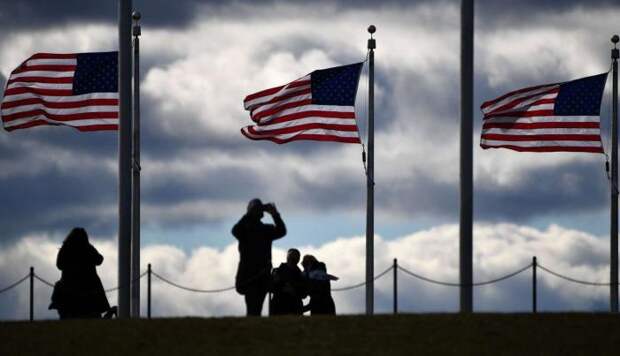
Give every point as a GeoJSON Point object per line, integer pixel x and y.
{"type": "Point", "coordinates": [613, 293]}
{"type": "Point", "coordinates": [467, 131]}
{"type": "Point", "coordinates": [370, 176]}
{"type": "Point", "coordinates": [124, 156]}
{"type": "Point", "coordinates": [135, 183]}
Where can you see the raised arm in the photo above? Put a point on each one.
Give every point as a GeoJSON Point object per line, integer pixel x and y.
{"type": "Point", "coordinates": [278, 230]}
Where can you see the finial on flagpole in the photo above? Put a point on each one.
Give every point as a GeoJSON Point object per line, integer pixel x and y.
{"type": "Point", "coordinates": [371, 41]}
{"type": "Point", "coordinates": [136, 16]}
{"type": "Point", "coordinates": [614, 52]}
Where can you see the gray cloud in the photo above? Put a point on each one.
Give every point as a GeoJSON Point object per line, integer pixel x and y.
{"type": "Point", "coordinates": [197, 165]}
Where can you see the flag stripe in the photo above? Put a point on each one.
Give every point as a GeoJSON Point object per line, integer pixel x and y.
{"type": "Point", "coordinates": [55, 80]}
{"type": "Point", "coordinates": [8, 114]}
{"type": "Point", "coordinates": [542, 131]}
{"type": "Point", "coordinates": [516, 94]}
{"type": "Point", "coordinates": [304, 91]}
{"type": "Point", "coordinates": [266, 114]}
{"type": "Point", "coordinates": [251, 100]}
{"type": "Point", "coordinates": [40, 114]}
{"type": "Point", "coordinates": [312, 113]}
{"type": "Point", "coordinates": [523, 113]}
{"type": "Point", "coordinates": [43, 55]}
{"type": "Point", "coordinates": [538, 119]}
{"type": "Point", "coordinates": [59, 99]}
{"type": "Point", "coordinates": [37, 91]}
{"type": "Point", "coordinates": [44, 73]}
{"type": "Point", "coordinates": [534, 137]}
{"type": "Point", "coordinates": [59, 104]}
{"type": "Point", "coordinates": [43, 68]}
{"type": "Point", "coordinates": [265, 109]}
{"type": "Point", "coordinates": [541, 125]}
{"type": "Point", "coordinates": [302, 127]}
{"type": "Point", "coordinates": [43, 86]}
{"type": "Point", "coordinates": [523, 99]}
{"type": "Point", "coordinates": [82, 122]}
{"type": "Point", "coordinates": [558, 148]}
{"type": "Point", "coordinates": [312, 135]}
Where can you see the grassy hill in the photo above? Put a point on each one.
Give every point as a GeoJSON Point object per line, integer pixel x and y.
{"type": "Point", "coordinates": [427, 334]}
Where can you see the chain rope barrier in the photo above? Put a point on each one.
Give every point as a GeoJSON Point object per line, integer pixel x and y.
{"type": "Point", "coordinates": [6, 289]}
{"type": "Point", "coordinates": [450, 284]}
{"type": "Point", "coordinates": [43, 281]}
{"type": "Point", "coordinates": [191, 289]}
{"type": "Point", "coordinates": [574, 280]}
{"type": "Point", "coordinates": [341, 289]}
{"type": "Point", "coordinates": [50, 284]}
{"type": "Point", "coordinates": [363, 283]}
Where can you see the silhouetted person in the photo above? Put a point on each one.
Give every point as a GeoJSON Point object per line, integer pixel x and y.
{"type": "Point", "coordinates": [319, 286]}
{"type": "Point", "coordinates": [79, 293]}
{"type": "Point", "coordinates": [254, 272]}
{"type": "Point", "coordinates": [289, 286]}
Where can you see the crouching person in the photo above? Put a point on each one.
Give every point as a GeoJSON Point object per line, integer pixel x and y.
{"type": "Point", "coordinates": [319, 286]}
{"type": "Point", "coordinates": [289, 286]}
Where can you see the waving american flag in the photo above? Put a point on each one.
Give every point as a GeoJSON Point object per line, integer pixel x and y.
{"type": "Point", "coordinates": [319, 106]}
{"type": "Point", "coordinates": [547, 118]}
{"type": "Point", "coordinates": [76, 89]}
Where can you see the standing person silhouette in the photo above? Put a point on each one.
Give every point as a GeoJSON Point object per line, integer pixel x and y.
{"type": "Point", "coordinates": [79, 293]}
{"type": "Point", "coordinates": [255, 238]}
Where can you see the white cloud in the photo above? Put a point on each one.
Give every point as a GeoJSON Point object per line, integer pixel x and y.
{"type": "Point", "coordinates": [498, 249]}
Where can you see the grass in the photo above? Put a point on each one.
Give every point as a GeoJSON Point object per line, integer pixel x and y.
{"type": "Point", "coordinates": [425, 334]}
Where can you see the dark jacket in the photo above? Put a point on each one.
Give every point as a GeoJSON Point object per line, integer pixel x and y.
{"type": "Point", "coordinates": [255, 240]}
{"type": "Point", "coordinates": [319, 289]}
{"type": "Point", "coordinates": [79, 291]}
{"type": "Point", "coordinates": [289, 288]}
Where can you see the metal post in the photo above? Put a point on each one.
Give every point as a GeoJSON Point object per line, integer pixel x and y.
{"type": "Point", "coordinates": [467, 131]}
{"type": "Point", "coordinates": [370, 176]}
{"type": "Point", "coordinates": [269, 304]}
{"type": "Point", "coordinates": [613, 293]}
{"type": "Point", "coordinates": [124, 157]}
{"type": "Point", "coordinates": [135, 167]}
{"type": "Point", "coordinates": [395, 294]}
{"type": "Point", "coordinates": [31, 293]}
{"type": "Point", "coordinates": [148, 292]}
{"type": "Point", "coordinates": [534, 286]}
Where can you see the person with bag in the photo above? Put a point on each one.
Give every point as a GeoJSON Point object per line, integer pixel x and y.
{"type": "Point", "coordinates": [79, 293]}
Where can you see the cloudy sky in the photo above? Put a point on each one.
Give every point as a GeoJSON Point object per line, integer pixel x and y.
{"type": "Point", "coordinates": [200, 59]}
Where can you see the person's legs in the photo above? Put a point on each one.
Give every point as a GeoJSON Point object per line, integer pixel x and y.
{"type": "Point", "coordinates": [254, 299]}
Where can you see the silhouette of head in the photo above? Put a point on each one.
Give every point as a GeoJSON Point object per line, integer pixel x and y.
{"type": "Point", "coordinates": [255, 208]}
{"type": "Point", "coordinates": [77, 236]}
{"type": "Point", "coordinates": [292, 256]}
{"type": "Point", "coordinates": [308, 261]}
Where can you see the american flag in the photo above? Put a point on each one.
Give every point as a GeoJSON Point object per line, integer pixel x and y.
{"type": "Point", "coordinates": [319, 106]}
{"type": "Point", "coordinates": [76, 89]}
{"type": "Point", "coordinates": [561, 117]}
